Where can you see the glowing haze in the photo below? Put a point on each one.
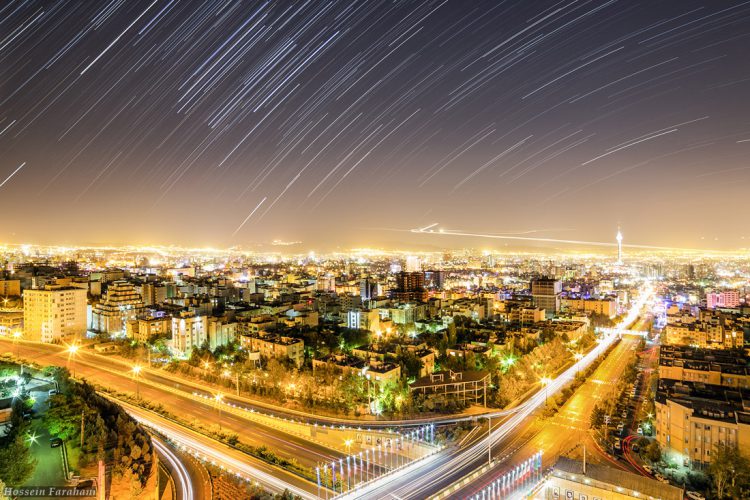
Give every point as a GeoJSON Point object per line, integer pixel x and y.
{"type": "Point", "coordinates": [333, 123]}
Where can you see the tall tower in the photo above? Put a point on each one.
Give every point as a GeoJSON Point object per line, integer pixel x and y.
{"type": "Point", "coordinates": [619, 246]}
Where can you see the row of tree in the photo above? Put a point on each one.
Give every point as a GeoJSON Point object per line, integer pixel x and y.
{"type": "Point", "coordinates": [109, 433]}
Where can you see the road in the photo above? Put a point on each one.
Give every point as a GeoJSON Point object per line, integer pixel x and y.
{"type": "Point", "coordinates": [190, 478]}
{"type": "Point", "coordinates": [200, 387]}
{"type": "Point", "coordinates": [117, 376]}
{"type": "Point", "coordinates": [568, 431]}
{"type": "Point", "coordinates": [234, 461]}
{"type": "Point", "coordinates": [423, 479]}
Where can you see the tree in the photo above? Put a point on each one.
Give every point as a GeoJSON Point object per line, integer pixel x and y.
{"type": "Point", "coordinates": [16, 462]}
{"type": "Point", "coordinates": [729, 471]}
{"type": "Point", "coordinates": [63, 418]}
{"type": "Point", "coordinates": [410, 364]}
{"type": "Point", "coordinates": [653, 451]}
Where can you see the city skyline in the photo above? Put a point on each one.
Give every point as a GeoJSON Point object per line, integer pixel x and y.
{"type": "Point", "coordinates": [346, 124]}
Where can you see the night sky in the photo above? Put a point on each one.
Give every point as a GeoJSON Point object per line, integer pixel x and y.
{"type": "Point", "coordinates": [337, 123]}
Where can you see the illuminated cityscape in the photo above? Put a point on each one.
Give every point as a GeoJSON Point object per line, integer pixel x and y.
{"type": "Point", "coordinates": [374, 250]}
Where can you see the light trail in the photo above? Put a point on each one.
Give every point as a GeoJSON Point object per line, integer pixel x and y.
{"type": "Point", "coordinates": [177, 465]}
{"type": "Point", "coordinates": [118, 37]}
{"type": "Point", "coordinates": [425, 479]}
{"type": "Point", "coordinates": [12, 174]}
{"type": "Point", "coordinates": [451, 232]}
{"type": "Point", "coordinates": [213, 451]}
{"type": "Point", "coordinates": [249, 215]}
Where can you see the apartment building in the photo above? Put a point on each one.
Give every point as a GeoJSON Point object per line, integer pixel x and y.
{"type": "Point", "coordinates": [275, 346]}
{"type": "Point", "coordinates": [707, 366]}
{"type": "Point", "coordinates": [54, 314]}
{"type": "Point", "coordinates": [121, 303]}
{"type": "Point", "coordinates": [692, 419]}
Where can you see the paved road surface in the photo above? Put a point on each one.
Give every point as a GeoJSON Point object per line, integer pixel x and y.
{"type": "Point", "coordinates": [93, 368]}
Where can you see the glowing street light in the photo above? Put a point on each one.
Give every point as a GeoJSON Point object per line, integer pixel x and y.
{"type": "Point", "coordinates": [578, 357]}
{"type": "Point", "coordinates": [72, 351]}
{"type": "Point", "coordinates": [32, 438]}
{"type": "Point", "coordinates": [545, 382]}
{"type": "Point", "coordinates": [136, 375]}
{"type": "Point", "coordinates": [508, 361]}
{"type": "Point", "coordinates": [16, 337]}
{"type": "Point", "coordinates": [218, 398]}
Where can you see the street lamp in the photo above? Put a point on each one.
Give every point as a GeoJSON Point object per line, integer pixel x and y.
{"type": "Point", "coordinates": [545, 382]}
{"type": "Point", "coordinates": [367, 378]}
{"type": "Point", "coordinates": [218, 398]}
{"type": "Point", "coordinates": [508, 361]}
{"type": "Point", "coordinates": [578, 357]}
{"type": "Point", "coordinates": [136, 376]}
{"type": "Point", "coordinates": [72, 350]}
{"type": "Point", "coordinates": [16, 338]}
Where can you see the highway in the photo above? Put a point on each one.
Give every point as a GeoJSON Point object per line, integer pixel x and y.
{"type": "Point", "coordinates": [422, 479]}
{"type": "Point", "coordinates": [190, 478]}
{"type": "Point", "coordinates": [232, 460]}
{"type": "Point", "coordinates": [567, 432]}
{"type": "Point", "coordinates": [56, 355]}
{"type": "Point", "coordinates": [117, 375]}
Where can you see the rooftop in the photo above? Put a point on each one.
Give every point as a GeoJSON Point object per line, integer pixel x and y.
{"type": "Point", "coordinates": [615, 478]}
{"type": "Point", "coordinates": [708, 401]}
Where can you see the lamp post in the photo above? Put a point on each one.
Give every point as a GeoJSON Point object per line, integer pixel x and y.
{"type": "Point", "coordinates": [348, 444]}
{"type": "Point", "coordinates": [578, 357]}
{"type": "Point", "coordinates": [136, 376]}
{"type": "Point", "coordinates": [545, 382]}
{"type": "Point", "coordinates": [228, 374]}
{"type": "Point", "coordinates": [72, 351]}
{"type": "Point", "coordinates": [16, 338]}
{"type": "Point", "coordinates": [367, 378]}
{"type": "Point", "coordinates": [219, 398]}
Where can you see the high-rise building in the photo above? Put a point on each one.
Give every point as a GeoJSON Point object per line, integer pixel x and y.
{"type": "Point", "coordinates": [545, 293]}
{"type": "Point", "coordinates": [726, 298]}
{"type": "Point", "coordinates": [54, 314]}
{"type": "Point", "coordinates": [409, 287]}
{"type": "Point", "coordinates": [121, 303]}
{"type": "Point", "coordinates": [188, 332]}
{"type": "Point", "coordinates": [153, 293]}
{"type": "Point", "coordinates": [368, 289]}
{"type": "Point", "coordinates": [434, 279]}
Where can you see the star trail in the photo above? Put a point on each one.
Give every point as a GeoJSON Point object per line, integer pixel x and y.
{"type": "Point", "coordinates": [239, 123]}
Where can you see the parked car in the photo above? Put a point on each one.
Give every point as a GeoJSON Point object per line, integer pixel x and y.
{"type": "Point", "coordinates": [52, 392]}
{"type": "Point", "coordinates": [661, 478]}
{"type": "Point", "coordinates": [648, 469]}
{"type": "Point", "coordinates": [694, 495]}
{"type": "Point", "coordinates": [55, 442]}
